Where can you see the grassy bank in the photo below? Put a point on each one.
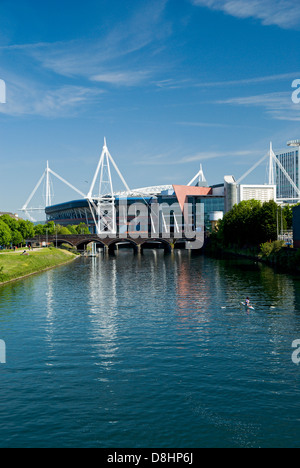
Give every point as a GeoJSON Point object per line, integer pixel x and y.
{"type": "Point", "coordinates": [15, 266]}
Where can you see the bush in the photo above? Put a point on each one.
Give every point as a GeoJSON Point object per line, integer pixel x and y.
{"type": "Point", "coordinates": [271, 248]}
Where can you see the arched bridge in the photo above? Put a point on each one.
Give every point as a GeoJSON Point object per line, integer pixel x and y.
{"type": "Point", "coordinates": [110, 243]}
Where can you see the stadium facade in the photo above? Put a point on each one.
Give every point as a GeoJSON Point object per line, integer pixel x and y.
{"type": "Point", "coordinates": [166, 202]}
{"type": "Point", "coordinates": [104, 212]}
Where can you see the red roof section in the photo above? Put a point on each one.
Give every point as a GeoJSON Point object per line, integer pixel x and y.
{"type": "Point", "coordinates": [183, 191]}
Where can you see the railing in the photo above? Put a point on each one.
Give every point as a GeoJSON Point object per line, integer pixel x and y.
{"type": "Point", "coordinates": [287, 237]}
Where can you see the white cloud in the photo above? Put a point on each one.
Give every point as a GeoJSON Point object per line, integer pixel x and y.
{"type": "Point", "coordinates": [128, 78]}
{"type": "Point", "coordinates": [118, 50]}
{"type": "Point", "coordinates": [62, 78]}
{"type": "Point", "coordinates": [25, 97]}
{"type": "Point", "coordinates": [164, 159]}
{"type": "Point", "coordinates": [250, 81]}
{"type": "Point", "coordinates": [205, 156]}
{"type": "Point", "coordinates": [277, 105]}
{"type": "Point", "coordinates": [282, 13]}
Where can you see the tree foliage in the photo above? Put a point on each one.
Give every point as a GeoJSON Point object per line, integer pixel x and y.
{"type": "Point", "coordinates": [252, 223]}
{"type": "Point", "coordinates": [16, 231]}
{"type": "Point", "coordinates": [5, 234]}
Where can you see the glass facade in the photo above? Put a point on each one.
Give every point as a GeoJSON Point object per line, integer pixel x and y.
{"type": "Point", "coordinates": [160, 214]}
{"type": "Point", "coordinates": [290, 161]}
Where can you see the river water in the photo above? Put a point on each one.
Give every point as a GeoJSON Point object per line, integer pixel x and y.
{"type": "Point", "coordinates": [132, 351]}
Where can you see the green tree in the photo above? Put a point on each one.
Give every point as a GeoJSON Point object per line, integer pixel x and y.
{"type": "Point", "coordinates": [12, 223]}
{"type": "Point", "coordinates": [50, 226]}
{"type": "Point", "coordinates": [82, 229]}
{"type": "Point", "coordinates": [251, 223]}
{"type": "Point", "coordinates": [26, 228]}
{"type": "Point", "coordinates": [5, 234]}
{"type": "Point", "coordinates": [17, 238]}
{"type": "Point", "coordinates": [72, 229]}
{"type": "Point", "coordinates": [14, 226]}
{"type": "Point", "coordinates": [63, 231]}
{"type": "Point", "coordinates": [39, 230]}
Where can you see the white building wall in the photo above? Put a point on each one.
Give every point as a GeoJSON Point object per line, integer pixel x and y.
{"type": "Point", "coordinates": [263, 193]}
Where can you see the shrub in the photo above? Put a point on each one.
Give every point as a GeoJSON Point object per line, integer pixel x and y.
{"type": "Point", "coordinates": [270, 248]}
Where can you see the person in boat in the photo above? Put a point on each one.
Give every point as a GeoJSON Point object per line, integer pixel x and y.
{"type": "Point", "coordinates": [247, 302]}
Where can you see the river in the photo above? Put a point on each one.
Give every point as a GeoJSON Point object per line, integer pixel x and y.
{"type": "Point", "coordinates": [152, 351]}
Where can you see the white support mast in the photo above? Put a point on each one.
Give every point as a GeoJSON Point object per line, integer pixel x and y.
{"type": "Point", "coordinates": [48, 195]}
{"type": "Point", "coordinates": [103, 204]}
{"type": "Point", "coordinates": [200, 176]}
{"type": "Point", "coordinates": [48, 187]}
{"type": "Point", "coordinates": [273, 162]}
{"type": "Point", "coordinates": [271, 166]}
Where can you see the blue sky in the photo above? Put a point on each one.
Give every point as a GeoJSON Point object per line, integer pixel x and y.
{"type": "Point", "coordinates": [170, 84]}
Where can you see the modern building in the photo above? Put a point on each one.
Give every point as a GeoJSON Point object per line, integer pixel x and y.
{"type": "Point", "coordinates": [289, 159]}
{"type": "Point", "coordinates": [263, 193]}
{"type": "Point", "coordinates": [236, 193]}
{"type": "Point", "coordinates": [164, 209]}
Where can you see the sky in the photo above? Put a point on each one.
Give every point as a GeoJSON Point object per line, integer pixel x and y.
{"type": "Point", "coordinates": [171, 84]}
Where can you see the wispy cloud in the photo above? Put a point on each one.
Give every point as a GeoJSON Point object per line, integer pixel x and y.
{"type": "Point", "coordinates": [111, 58]}
{"type": "Point", "coordinates": [277, 105]}
{"type": "Point", "coordinates": [62, 78]}
{"type": "Point", "coordinates": [250, 81]}
{"type": "Point", "coordinates": [282, 13]}
{"type": "Point", "coordinates": [125, 78]}
{"type": "Point", "coordinates": [205, 156]}
{"type": "Point", "coordinates": [28, 97]}
{"type": "Point", "coordinates": [164, 159]}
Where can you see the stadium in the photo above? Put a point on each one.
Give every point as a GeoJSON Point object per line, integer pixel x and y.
{"type": "Point", "coordinates": [102, 209]}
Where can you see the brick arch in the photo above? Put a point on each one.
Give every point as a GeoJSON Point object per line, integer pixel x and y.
{"type": "Point", "coordinates": [166, 244]}
{"type": "Point", "coordinates": [114, 242]}
{"type": "Point", "coordinates": [85, 242]}
{"type": "Point", "coordinates": [59, 242]}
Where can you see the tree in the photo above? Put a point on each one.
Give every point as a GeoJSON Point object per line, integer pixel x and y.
{"type": "Point", "coordinates": [39, 230]}
{"type": "Point", "coordinates": [50, 228]}
{"type": "Point", "coordinates": [63, 231]}
{"type": "Point", "coordinates": [82, 229]}
{"type": "Point", "coordinates": [17, 238]}
{"type": "Point", "coordinates": [251, 223]}
{"type": "Point", "coordinates": [72, 229]}
{"type": "Point", "coordinates": [26, 228]}
{"type": "Point", "coordinates": [12, 223]}
{"type": "Point", "coordinates": [5, 234]}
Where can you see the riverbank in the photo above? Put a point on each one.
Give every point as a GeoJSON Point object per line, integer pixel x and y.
{"type": "Point", "coordinates": [14, 265]}
{"type": "Point", "coordinates": [273, 254]}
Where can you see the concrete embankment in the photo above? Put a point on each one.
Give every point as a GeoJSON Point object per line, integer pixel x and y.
{"type": "Point", "coordinates": [15, 266]}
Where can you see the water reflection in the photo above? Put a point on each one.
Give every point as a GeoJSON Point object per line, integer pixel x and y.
{"type": "Point", "coordinates": [50, 311]}
{"type": "Point", "coordinates": [129, 338]}
{"type": "Point", "coordinates": [194, 293]}
{"type": "Point", "coordinates": [103, 312]}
